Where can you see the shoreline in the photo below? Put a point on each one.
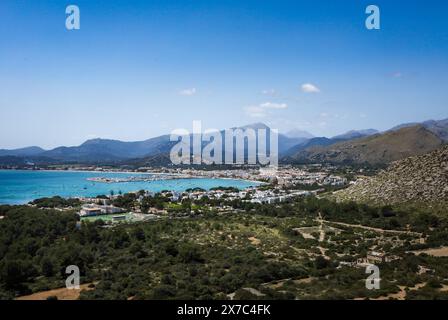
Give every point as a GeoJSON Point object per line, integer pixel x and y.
{"type": "Point", "coordinates": [139, 173]}
{"type": "Point", "coordinates": [7, 200]}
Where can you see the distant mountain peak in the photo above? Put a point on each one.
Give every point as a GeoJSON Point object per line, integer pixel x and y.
{"type": "Point", "coordinates": [438, 127]}
{"type": "Point", "coordinates": [97, 141]}
{"type": "Point", "coordinates": [297, 133]}
{"type": "Point", "coordinates": [354, 134]}
{"type": "Point", "coordinates": [255, 126]}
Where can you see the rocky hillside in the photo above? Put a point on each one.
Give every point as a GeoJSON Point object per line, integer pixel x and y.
{"type": "Point", "coordinates": [377, 149]}
{"type": "Point", "coordinates": [419, 179]}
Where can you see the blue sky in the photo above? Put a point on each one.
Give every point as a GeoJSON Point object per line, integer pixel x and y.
{"type": "Point", "coordinates": [137, 69]}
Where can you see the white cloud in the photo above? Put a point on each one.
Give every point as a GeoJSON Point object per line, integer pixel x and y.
{"type": "Point", "coordinates": [255, 112]}
{"type": "Point", "coordinates": [188, 92]}
{"type": "Point", "coordinates": [269, 92]}
{"type": "Point", "coordinates": [322, 124]}
{"type": "Point", "coordinates": [263, 109]}
{"type": "Point", "coordinates": [327, 115]}
{"type": "Point", "coordinates": [310, 88]}
{"type": "Point", "coordinates": [273, 105]}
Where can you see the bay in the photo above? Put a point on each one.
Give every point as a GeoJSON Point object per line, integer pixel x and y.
{"type": "Point", "coordinates": [22, 186]}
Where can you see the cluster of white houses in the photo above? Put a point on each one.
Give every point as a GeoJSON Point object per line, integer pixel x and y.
{"type": "Point", "coordinates": [252, 195]}
{"type": "Point", "coordinates": [96, 207]}
{"type": "Point", "coordinates": [291, 177]}
{"type": "Point", "coordinates": [271, 197]}
{"type": "Point", "coordinates": [371, 258]}
{"type": "Point", "coordinates": [90, 210]}
{"type": "Point", "coordinates": [283, 175]}
{"type": "Point", "coordinates": [283, 178]}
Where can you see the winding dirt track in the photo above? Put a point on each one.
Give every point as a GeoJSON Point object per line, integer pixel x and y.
{"type": "Point", "coordinates": [416, 234]}
{"type": "Point", "coordinates": [61, 294]}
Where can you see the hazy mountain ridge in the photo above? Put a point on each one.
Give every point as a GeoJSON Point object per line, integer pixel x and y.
{"type": "Point", "coordinates": [355, 134]}
{"type": "Point", "coordinates": [296, 133]}
{"type": "Point", "coordinates": [107, 150]}
{"type": "Point", "coordinates": [377, 149]}
{"type": "Point", "coordinates": [318, 141]}
{"type": "Point", "coordinates": [28, 151]}
{"type": "Point", "coordinates": [438, 127]}
{"type": "Point", "coordinates": [111, 150]}
{"type": "Point", "coordinates": [323, 141]}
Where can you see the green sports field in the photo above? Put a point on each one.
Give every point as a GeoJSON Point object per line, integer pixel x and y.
{"type": "Point", "coordinates": [108, 217]}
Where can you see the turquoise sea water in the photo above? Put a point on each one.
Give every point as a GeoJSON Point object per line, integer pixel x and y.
{"type": "Point", "coordinates": [19, 187]}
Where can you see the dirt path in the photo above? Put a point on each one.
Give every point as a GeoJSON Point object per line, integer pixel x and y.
{"type": "Point", "coordinates": [435, 252]}
{"type": "Point", "coordinates": [321, 228]}
{"type": "Point", "coordinates": [400, 295]}
{"type": "Point", "coordinates": [417, 234]}
{"type": "Point", "coordinates": [254, 241]}
{"type": "Point", "coordinates": [278, 283]}
{"type": "Point", "coordinates": [61, 294]}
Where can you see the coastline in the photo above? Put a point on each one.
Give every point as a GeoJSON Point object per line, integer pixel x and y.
{"type": "Point", "coordinates": [139, 173]}
{"type": "Point", "coordinates": [30, 185]}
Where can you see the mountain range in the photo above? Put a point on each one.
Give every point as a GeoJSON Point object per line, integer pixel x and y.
{"type": "Point", "coordinates": [375, 149]}
{"type": "Point", "coordinates": [29, 151]}
{"type": "Point", "coordinates": [355, 146]}
{"type": "Point", "coordinates": [379, 148]}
